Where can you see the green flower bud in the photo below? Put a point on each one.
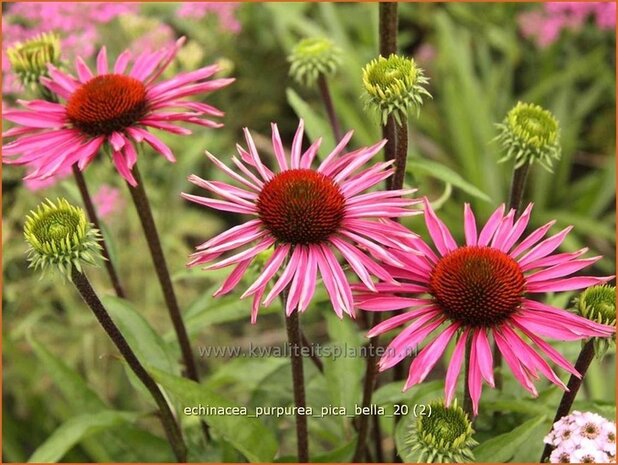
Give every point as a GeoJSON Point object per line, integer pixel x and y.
{"type": "Point", "coordinates": [394, 86]}
{"type": "Point", "coordinates": [444, 435]}
{"type": "Point", "coordinates": [29, 59]}
{"type": "Point", "coordinates": [60, 236]}
{"type": "Point", "coordinates": [312, 57]}
{"type": "Point", "coordinates": [530, 133]}
{"type": "Point", "coordinates": [598, 303]}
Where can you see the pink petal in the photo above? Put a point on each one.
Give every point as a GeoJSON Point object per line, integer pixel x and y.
{"type": "Point", "coordinates": [219, 204]}
{"type": "Point", "coordinates": [398, 320]}
{"type": "Point", "coordinates": [545, 248]}
{"type": "Point", "coordinates": [285, 277]}
{"type": "Point", "coordinates": [242, 230]}
{"type": "Point", "coordinates": [439, 233]}
{"type": "Point", "coordinates": [518, 228]}
{"type": "Point", "coordinates": [454, 368]}
{"type": "Point", "coordinates": [296, 284]}
{"type": "Point", "coordinates": [234, 278]}
{"type": "Point", "coordinates": [83, 72]}
{"type": "Point", "coordinates": [278, 148]}
{"type": "Point", "coordinates": [351, 254]}
{"type": "Point", "coordinates": [340, 280]}
{"type": "Point", "coordinates": [490, 227]}
{"type": "Point", "coordinates": [326, 163]}
{"type": "Point", "coordinates": [121, 165]}
{"type": "Point", "coordinates": [475, 382]}
{"type": "Point", "coordinates": [102, 61]}
{"type": "Point", "coordinates": [231, 173]}
{"type": "Point", "coordinates": [296, 145]}
{"type": "Point", "coordinates": [513, 362]}
{"type": "Point", "coordinates": [428, 357]}
{"type": "Point", "coordinates": [484, 357]}
{"type": "Point", "coordinates": [264, 172]}
{"type": "Point", "coordinates": [532, 239]}
{"type": "Point", "coordinates": [309, 155]}
{"type": "Point", "coordinates": [561, 270]}
{"type": "Point", "coordinates": [270, 268]}
{"type": "Point", "coordinates": [308, 284]}
{"type": "Point", "coordinates": [251, 252]}
{"type": "Point", "coordinates": [567, 284]}
{"type": "Point", "coordinates": [121, 62]}
{"type": "Point", "coordinates": [469, 225]}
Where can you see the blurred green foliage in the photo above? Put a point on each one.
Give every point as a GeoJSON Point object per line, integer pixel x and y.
{"type": "Point", "coordinates": [62, 374]}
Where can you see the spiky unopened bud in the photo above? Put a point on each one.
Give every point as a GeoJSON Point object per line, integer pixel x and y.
{"type": "Point", "coordinates": [444, 435]}
{"type": "Point", "coordinates": [60, 237]}
{"type": "Point", "coordinates": [311, 57]}
{"type": "Point", "coordinates": [394, 86]}
{"type": "Point", "coordinates": [598, 303]}
{"type": "Point", "coordinates": [29, 59]}
{"type": "Point", "coordinates": [528, 134]}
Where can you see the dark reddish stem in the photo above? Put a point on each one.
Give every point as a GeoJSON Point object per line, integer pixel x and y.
{"type": "Point", "coordinates": [330, 109]}
{"type": "Point", "coordinates": [94, 219]}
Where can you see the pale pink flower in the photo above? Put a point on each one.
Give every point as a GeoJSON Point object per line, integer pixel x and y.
{"type": "Point", "coordinates": [107, 201]}
{"type": "Point", "coordinates": [225, 12]}
{"type": "Point", "coordinates": [112, 109]}
{"type": "Point", "coordinates": [305, 216]}
{"type": "Point", "coordinates": [589, 456]}
{"type": "Point", "coordinates": [480, 290]}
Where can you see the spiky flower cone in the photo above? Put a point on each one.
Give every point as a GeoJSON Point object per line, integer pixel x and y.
{"type": "Point", "coordinates": [60, 237]}
{"type": "Point", "coordinates": [598, 303]}
{"type": "Point", "coordinates": [442, 436]}
{"type": "Point", "coordinates": [311, 57]}
{"type": "Point", "coordinates": [529, 134]}
{"type": "Point", "coordinates": [394, 86]}
{"type": "Point", "coordinates": [29, 59]}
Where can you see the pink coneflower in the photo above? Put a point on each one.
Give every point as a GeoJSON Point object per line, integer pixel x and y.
{"type": "Point", "coordinates": [481, 289]}
{"type": "Point", "coordinates": [108, 200]}
{"type": "Point", "coordinates": [304, 216]}
{"type": "Point", "coordinates": [111, 109]}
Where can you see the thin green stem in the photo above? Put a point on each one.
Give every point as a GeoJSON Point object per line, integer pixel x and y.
{"type": "Point", "coordinates": [328, 105]}
{"type": "Point", "coordinates": [292, 324]}
{"type": "Point", "coordinates": [94, 219]}
{"type": "Point", "coordinates": [564, 408]}
{"type": "Point", "coordinates": [172, 430]}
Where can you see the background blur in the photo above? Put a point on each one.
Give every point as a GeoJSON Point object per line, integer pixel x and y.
{"type": "Point", "coordinates": [481, 59]}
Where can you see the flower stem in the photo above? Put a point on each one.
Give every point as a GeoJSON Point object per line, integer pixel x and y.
{"type": "Point", "coordinates": [328, 104]}
{"type": "Point", "coordinates": [94, 219]}
{"type": "Point", "coordinates": [154, 244]}
{"type": "Point", "coordinates": [314, 358]}
{"type": "Point", "coordinates": [172, 430]}
{"type": "Point", "coordinates": [467, 402]}
{"type": "Point", "coordinates": [292, 324]}
{"type": "Point", "coordinates": [401, 154]}
{"type": "Point", "coordinates": [581, 365]}
{"type": "Point", "coordinates": [388, 45]}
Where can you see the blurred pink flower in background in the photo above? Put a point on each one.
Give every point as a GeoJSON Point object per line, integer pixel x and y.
{"type": "Point", "coordinates": [107, 201]}
{"type": "Point", "coordinates": [74, 22]}
{"type": "Point", "coordinates": [160, 36]}
{"type": "Point", "coordinates": [224, 11]}
{"type": "Point", "coordinates": [545, 25]}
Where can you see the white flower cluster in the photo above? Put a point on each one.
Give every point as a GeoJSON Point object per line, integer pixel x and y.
{"type": "Point", "coordinates": [583, 438]}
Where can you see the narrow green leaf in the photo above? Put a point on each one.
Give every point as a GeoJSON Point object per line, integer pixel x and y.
{"type": "Point", "coordinates": [248, 435]}
{"type": "Point", "coordinates": [315, 125]}
{"type": "Point", "coordinates": [76, 429]}
{"type": "Point", "coordinates": [502, 448]}
{"type": "Point", "coordinates": [446, 174]}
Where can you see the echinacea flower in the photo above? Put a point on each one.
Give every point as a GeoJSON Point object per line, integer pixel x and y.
{"type": "Point", "coordinates": [481, 289]}
{"type": "Point", "coordinates": [113, 109]}
{"type": "Point", "coordinates": [306, 216]}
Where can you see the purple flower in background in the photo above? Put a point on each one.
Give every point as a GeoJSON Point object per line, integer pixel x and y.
{"type": "Point", "coordinates": [224, 11]}
{"type": "Point", "coordinates": [544, 26]}
{"type": "Point", "coordinates": [108, 200]}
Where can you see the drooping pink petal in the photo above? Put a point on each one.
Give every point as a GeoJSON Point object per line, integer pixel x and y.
{"type": "Point", "coordinates": [398, 320]}
{"type": "Point", "coordinates": [285, 277]}
{"type": "Point", "coordinates": [270, 268]}
{"type": "Point", "coordinates": [475, 381]}
{"type": "Point", "coordinates": [121, 165]}
{"type": "Point", "coordinates": [513, 362]}
{"type": "Point", "coordinates": [233, 279]}
{"type": "Point", "coordinates": [484, 357]}
{"type": "Point", "coordinates": [454, 368]}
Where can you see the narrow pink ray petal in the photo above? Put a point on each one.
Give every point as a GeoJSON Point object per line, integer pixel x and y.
{"type": "Point", "coordinates": [130, 154]}
{"type": "Point", "coordinates": [297, 145]}
{"type": "Point", "coordinates": [247, 173]}
{"type": "Point", "coordinates": [545, 248]}
{"type": "Point", "coordinates": [307, 158]}
{"type": "Point", "coordinates": [556, 259]}
{"type": "Point", "coordinates": [35, 120]}
{"type": "Point", "coordinates": [326, 163]}
{"type": "Point", "coordinates": [231, 173]}
{"type": "Point", "coordinates": [398, 320]}
{"type": "Point", "coordinates": [503, 231]}
{"type": "Point", "coordinates": [43, 106]}
{"type": "Point", "coordinates": [329, 282]}
{"type": "Point", "coordinates": [168, 127]}
{"type": "Point", "coordinates": [542, 327]}
{"type": "Point", "coordinates": [358, 159]}
{"type": "Point", "coordinates": [296, 284]}
{"type": "Point", "coordinates": [66, 81]}
{"type": "Point", "coordinates": [469, 225]}
{"type": "Point", "coordinates": [484, 357]}
{"type": "Point", "coordinates": [428, 357]}
{"type": "Point", "coordinates": [102, 61]}
{"type": "Point", "coordinates": [475, 381]}
{"type": "Point", "coordinates": [122, 61]}
{"type": "Point", "coordinates": [83, 72]}
{"type": "Point", "coordinates": [374, 248]}
{"type": "Point", "coordinates": [490, 227]}
{"type": "Point", "coordinates": [55, 88]}
{"type": "Point", "coordinates": [270, 268]}
{"type": "Point", "coordinates": [566, 317]}
{"type": "Point", "coordinates": [233, 279]}
{"type": "Point", "coordinates": [219, 204]}
{"type": "Point", "coordinates": [141, 134]}
{"type": "Point", "coordinates": [121, 165]}
{"type": "Point", "coordinates": [518, 229]}
{"type": "Point", "coordinates": [567, 284]}
{"type": "Point", "coordinates": [91, 150]}
{"type": "Point", "coordinates": [561, 270]}
{"type": "Point", "coordinates": [513, 362]}
{"type": "Point", "coordinates": [552, 353]}
{"type": "Point", "coordinates": [168, 57]}
{"type": "Point", "coordinates": [221, 188]}
{"type": "Point", "coordinates": [407, 340]}
{"type": "Point", "coordinates": [255, 306]}
{"type": "Point", "coordinates": [366, 179]}
{"type": "Point", "coordinates": [117, 141]}
{"type": "Point", "coordinates": [454, 368]}
{"type": "Point", "coordinates": [309, 281]}
{"type": "Point", "coordinates": [183, 79]}
{"type": "Point", "coordinates": [264, 172]}
{"type": "Point", "coordinates": [250, 252]}
{"type": "Point", "coordinates": [439, 233]}
{"type": "Point", "coordinates": [532, 239]}
{"type": "Point", "coordinates": [239, 241]}
{"type": "Point", "coordinates": [285, 277]}
{"type": "Point", "coordinates": [340, 280]}
{"type": "Point", "coordinates": [249, 227]}
{"type": "Point", "coordinates": [351, 256]}
{"type": "Point", "coordinates": [381, 303]}
{"type": "Point", "coordinates": [278, 148]}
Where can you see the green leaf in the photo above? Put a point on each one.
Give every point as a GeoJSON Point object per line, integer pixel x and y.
{"type": "Point", "coordinates": [71, 384]}
{"type": "Point", "coordinates": [315, 125]}
{"type": "Point", "coordinates": [145, 342]}
{"type": "Point", "coordinates": [76, 429]}
{"type": "Point", "coordinates": [344, 373]}
{"type": "Point", "coordinates": [248, 435]}
{"type": "Point", "coordinates": [502, 448]}
{"type": "Point", "coordinates": [392, 393]}
{"type": "Point", "coordinates": [446, 174]}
